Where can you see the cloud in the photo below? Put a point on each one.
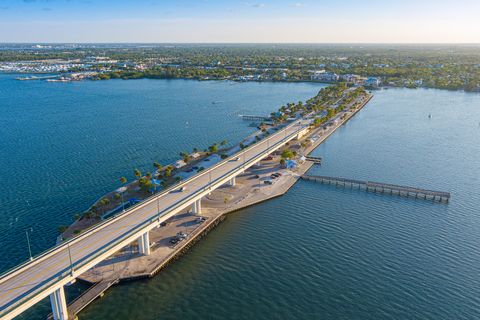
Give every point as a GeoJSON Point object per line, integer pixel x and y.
{"type": "Point", "coordinates": [4, 8]}
{"type": "Point", "coordinates": [255, 5]}
{"type": "Point", "coordinates": [29, 1]}
{"type": "Point", "coordinates": [47, 9]}
{"type": "Point", "coordinates": [297, 5]}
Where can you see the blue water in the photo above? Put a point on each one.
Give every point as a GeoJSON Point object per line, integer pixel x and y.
{"type": "Point", "coordinates": [63, 145]}
{"type": "Point", "coordinates": [319, 252]}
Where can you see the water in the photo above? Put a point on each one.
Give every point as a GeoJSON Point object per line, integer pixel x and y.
{"type": "Point", "coordinates": [318, 252]}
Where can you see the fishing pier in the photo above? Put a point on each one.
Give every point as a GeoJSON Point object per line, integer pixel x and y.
{"type": "Point", "coordinates": [380, 187]}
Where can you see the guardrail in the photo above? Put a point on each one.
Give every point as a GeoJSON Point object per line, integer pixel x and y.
{"type": "Point", "coordinates": [37, 258]}
{"type": "Point", "coordinates": [50, 282]}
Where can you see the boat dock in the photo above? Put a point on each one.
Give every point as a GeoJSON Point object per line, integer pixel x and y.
{"type": "Point", "coordinates": [315, 160]}
{"type": "Point", "coordinates": [379, 187]}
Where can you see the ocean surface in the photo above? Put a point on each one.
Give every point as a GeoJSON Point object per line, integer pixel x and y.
{"type": "Point", "coordinates": [319, 252]}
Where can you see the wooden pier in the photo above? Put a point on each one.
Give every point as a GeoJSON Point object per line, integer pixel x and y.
{"type": "Point", "coordinates": [255, 118]}
{"type": "Point", "coordinates": [383, 188]}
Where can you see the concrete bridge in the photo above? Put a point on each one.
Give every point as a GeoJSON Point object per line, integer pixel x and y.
{"type": "Point", "coordinates": [47, 274]}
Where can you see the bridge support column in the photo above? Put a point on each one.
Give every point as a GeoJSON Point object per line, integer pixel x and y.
{"type": "Point", "coordinates": [59, 304]}
{"type": "Point", "coordinates": [144, 244]}
{"type": "Point", "coordinates": [232, 182]}
{"type": "Point", "coordinates": [197, 207]}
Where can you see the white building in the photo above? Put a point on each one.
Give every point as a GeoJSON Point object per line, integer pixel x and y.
{"type": "Point", "coordinates": [324, 76]}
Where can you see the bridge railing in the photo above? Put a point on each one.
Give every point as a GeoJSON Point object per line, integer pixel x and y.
{"type": "Point", "coordinates": [85, 260]}
{"type": "Point", "coordinates": [4, 275]}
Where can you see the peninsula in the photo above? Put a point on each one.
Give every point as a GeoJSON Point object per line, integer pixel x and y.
{"type": "Point", "coordinates": [139, 241]}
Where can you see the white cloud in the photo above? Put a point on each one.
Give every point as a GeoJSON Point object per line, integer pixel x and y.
{"type": "Point", "coordinates": [255, 5]}
{"type": "Point", "coordinates": [297, 5]}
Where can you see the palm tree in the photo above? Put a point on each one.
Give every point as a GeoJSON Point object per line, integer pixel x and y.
{"type": "Point", "coordinates": [213, 148]}
{"type": "Point", "coordinates": [123, 180]}
{"type": "Point", "coordinates": [223, 143]}
{"type": "Point", "coordinates": [157, 166]}
{"type": "Point", "coordinates": [137, 173]}
{"type": "Point", "coordinates": [225, 201]}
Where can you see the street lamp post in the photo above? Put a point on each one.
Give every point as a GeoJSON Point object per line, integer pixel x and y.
{"type": "Point", "coordinates": [70, 259]}
{"type": "Point", "coordinates": [158, 203]}
{"type": "Point", "coordinates": [28, 243]}
{"type": "Point", "coordinates": [123, 202]}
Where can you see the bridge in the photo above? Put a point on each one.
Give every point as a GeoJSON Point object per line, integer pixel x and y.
{"type": "Point", "coordinates": [48, 273]}
{"type": "Point", "coordinates": [382, 187]}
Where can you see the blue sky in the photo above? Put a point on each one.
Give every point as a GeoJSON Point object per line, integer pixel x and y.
{"type": "Point", "coordinates": [347, 21]}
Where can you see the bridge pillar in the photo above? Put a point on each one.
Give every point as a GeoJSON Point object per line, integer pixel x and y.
{"type": "Point", "coordinates": [232, 182]}
{"type": "Point", "coordinates": [197, 207]}
{"type": "Point", "coordinates": [59, 304]}
{"type": "Point", "coordinates": [144, 244]}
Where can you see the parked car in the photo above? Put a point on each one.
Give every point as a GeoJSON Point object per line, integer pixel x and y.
{"type": "Point", "coordinates": [267, 158]}
{"type": "Point", "coordinates": [173, 240]}
{"type": "Point", "coordinates": [257, 176]}
{"type": "Point", "coordinates": [163, 224]}
{"type": "Point", "coordinates": [200, 219]}
{"type": "Point", "coordinates": [181, 235]}
{"type": "Point", "coordinates": [268, 182]}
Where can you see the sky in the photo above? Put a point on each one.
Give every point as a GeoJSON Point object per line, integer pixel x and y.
{"type": "Point", "coordinates": [229, 21]}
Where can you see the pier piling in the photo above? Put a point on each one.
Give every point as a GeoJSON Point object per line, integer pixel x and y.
{"type": "Point", "coordinates": [385, 188]}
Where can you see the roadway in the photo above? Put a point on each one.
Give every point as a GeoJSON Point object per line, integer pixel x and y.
{"type": "Point", "coordinates": [35, 280]}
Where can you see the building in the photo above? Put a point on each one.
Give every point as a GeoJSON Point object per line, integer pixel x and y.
{"type": "Point", "coordinates": [352, 78]}
{"type": "Point", "coordinates": [372, 82]}
{"type": "Point", "coordinates": [324, 76]}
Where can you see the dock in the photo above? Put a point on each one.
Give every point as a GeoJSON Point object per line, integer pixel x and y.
{"type": "Point", "coordinates": [380, 187]}
{"type": "Point", "coordinates": [255, 118]}
{"type": "Point", "coordinates": [315, 160]}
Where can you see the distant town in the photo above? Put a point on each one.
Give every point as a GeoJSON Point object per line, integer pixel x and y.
{"type": "Point", "coordinates": [453, 68]}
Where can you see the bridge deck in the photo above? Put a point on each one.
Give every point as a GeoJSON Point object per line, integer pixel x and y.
{"type": "Point", "coordinates": [35, 280]}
